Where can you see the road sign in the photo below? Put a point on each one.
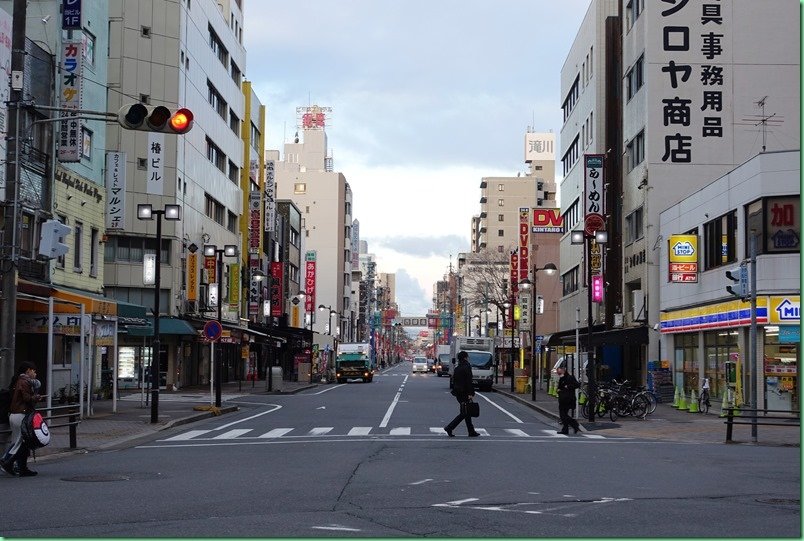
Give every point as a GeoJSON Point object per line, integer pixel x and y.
{"type": "Point", "coordinates": [212, 330]}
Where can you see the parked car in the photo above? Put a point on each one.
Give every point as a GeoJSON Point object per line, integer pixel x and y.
{"type": "Point", "coordinates": [420, 364]}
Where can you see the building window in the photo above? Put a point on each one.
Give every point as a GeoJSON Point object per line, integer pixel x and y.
{"type": "Point", "coordinates": [86, 143]}
{"type": "Point", "coordinates": [500, 187]}
{"type": "Point", "coordinates": [209, 206]}
{"type": "Point", "coordinates": [572, 98]}
{"type": "Point", "coordinates": [236, 74]}
{"type": "Point", "coordinates": [501, 202]}
{"type": "Point", "coordinates": [214, 209]}
{"type": "Point", "coordinates": [501, 217]}
{"type": "Point", "coordinates": [571, 216]}
{"type": "Point", "coordinates": [633, 9]}
{"type": "Point", "coordinates": [234, 172]}
{"type": "Point", "coordinates": [217, 47]}
{"type": "Point", "coordinates": [216, 100]}
{"type": "Point", "coordinates": [131, 249]}
{"type": "Point", "coordinates": [93, 252]}
{"type": "Point", "coordinates": [77, 241]}
{"type": "Point", "coordinates": [255, 137]}
{"type": "Point", "coordinates": [635, 150]}
{"type": "Point", "coordinates": [570, 156]}
{"type": "Point", "coordinates": [300, 187]}
{"type": "Point", "coordinates": [569, 281]}
{"type": "Point", "coordinates": [634, 79]}
{"type": "Point", "coordinates": [145, 31]}
{"type": "Point", "coordinates": [231, 223]}
{"type": "Point", "coordinates": [500, 249]}
{"type": "Point", "coordinates": [215, 155]}
{"type": "Point", "coordinates": [720, 241]}
{"type": "Point", "coordinates": [89, 47]}
{"type": "Point", "coordinates": [501, 232]}
{"type": "Point", "coordinates": [234, 122]}
{"type": "Point", "coordinates": [777, 222]}
{"type": "Point", "coordinates": [633, 226]}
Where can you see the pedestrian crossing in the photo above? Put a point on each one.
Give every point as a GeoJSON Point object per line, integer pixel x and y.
{"type": "Point", "coordinates": [242, 434]}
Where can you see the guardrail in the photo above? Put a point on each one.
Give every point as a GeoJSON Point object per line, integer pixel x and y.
{"type": "Point", "coordinates": [792, 419]}
{"type": "Point", "coordinates": [59, 417]}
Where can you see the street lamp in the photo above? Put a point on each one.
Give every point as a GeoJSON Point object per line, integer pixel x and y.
{"type": "Point", "coordinates": [229, 250]}
{"type": "Point", "coordinates": [582, 237]}
{"type": "Point", "coordinates": [525, 284]}
{"type": "Point", "coordinates": [322, 308]}
{"type": "Point", "coordinates": [256, 275]}
{"type": "Point", "coordinates": [147, 212]}
{"type": "Point", "coordinates": [476, 319]}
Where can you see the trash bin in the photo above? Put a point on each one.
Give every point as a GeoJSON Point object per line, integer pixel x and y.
{"type": "Point", "coordinates": [520, 383]}
{"type": "Point", "coordinates": [276, 378]}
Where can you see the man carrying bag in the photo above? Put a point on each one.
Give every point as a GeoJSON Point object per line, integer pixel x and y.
{"type": "Point", "coordinates": [464, 392]}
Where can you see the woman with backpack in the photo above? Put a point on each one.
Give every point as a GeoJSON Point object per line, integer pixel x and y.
{"type": "Point", "coordinates": [23, 401]}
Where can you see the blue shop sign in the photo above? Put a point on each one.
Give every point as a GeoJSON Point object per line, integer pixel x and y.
{"type": "Point", "coordinates": [789, 334]}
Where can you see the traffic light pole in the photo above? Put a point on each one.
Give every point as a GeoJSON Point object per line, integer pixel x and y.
{"type": "Point", "coordinates": [752, 341]}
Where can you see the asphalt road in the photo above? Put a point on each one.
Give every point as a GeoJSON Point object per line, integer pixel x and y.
{"type": "Point", "coordinates": [370, 460]}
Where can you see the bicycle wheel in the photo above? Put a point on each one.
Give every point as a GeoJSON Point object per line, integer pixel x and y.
{"type": "Point", "coordinates": [614, 410]}
{"type": "Point", "coordinates": [639, 406]}
{"type": "Point", "coordinates": [651, 399]}
{"type": "Point", "coordinates": [703, 403]}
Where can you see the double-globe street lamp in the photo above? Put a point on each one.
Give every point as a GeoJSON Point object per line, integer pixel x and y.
{"type": "Point", "coordinates": [229, 250]}
{"type": "Point", "coordinates": [585, 238]}
{"type": "Point", "coordinates": [508, 307]}
{"type": "Point", "coordinates": [526, 284]}
{"type": "Point", "coordinates": [146, 212]}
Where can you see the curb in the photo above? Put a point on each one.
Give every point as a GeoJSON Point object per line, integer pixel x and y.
{"type": "Point", "coordinates": [529, 404]}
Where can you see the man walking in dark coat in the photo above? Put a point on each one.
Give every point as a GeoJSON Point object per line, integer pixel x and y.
{"type": "Point", "coordinates": [464, 392]}
{"type": "Point", "coordinates": [566, 399]}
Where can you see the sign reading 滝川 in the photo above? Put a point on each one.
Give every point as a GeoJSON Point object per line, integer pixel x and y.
{"type": "Point", "coordinates": [683, 258]}
{"type": "Point", "coordinates": [70, 140]}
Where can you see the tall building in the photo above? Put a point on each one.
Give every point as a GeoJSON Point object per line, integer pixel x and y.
{"type": "Point", "coordinates": [305, 175]}
{"type": "Point", "coordinates": [180, 54]}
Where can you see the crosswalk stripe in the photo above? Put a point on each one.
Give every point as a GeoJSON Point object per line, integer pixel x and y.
{"type": "Point", "coordinates": [359, 431]}
{"type": "Point", "coordinates": [594, 436]}
{"type": "Point", "coordinates": [232, 434]}
{"type": "Point", "coordinates": [276, 433]}
{"type": "Point", "coordinates": [554, 434]}
{"type": "Point", "coordinates": [320, 430]}
{"type": "Point", "coordinates": [188, 435]}
{"type": "Point", "coordinates": [401, 431]}
{"type": "Point", "coordinates": [517, 432]}
{"type": "Point", "coordinates": [437, 430]}
{"type": "Point", "coordinates": [481, 431]}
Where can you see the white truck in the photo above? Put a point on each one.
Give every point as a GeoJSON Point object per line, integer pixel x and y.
{"type": "Point", "coordinates": [481, 358]}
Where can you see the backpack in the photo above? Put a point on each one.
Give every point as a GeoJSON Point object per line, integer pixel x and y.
{"type": "Point", "coordinates": [5, 404]}
{"type": "Point", "coordinates": [34, 430]}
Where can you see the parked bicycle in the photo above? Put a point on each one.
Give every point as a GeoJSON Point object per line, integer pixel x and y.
{"type": "Point", "coordinates": [703, 398]}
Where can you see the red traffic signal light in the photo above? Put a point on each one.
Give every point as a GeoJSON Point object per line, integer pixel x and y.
{"type": "Point", "coordinates": [155, 119]}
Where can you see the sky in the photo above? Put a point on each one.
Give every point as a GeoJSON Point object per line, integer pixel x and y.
{"type": "Point", "coordinates": [427, 97]}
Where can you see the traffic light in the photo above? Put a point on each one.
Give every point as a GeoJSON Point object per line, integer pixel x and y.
{"type": "Point", "coordinates": [51, 234]}
{"type": "Point", "coordinates": [156, 119]}
{"type": "Point", "coordinates": [739, 276]}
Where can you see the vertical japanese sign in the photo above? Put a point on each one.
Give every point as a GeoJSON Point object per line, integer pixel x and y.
{"type": "Point", "coordinates": [156, 146]}
{"type": "Point", "coordinates": [210, 265]}
{"type": "Point", "coordinates": [355, 244]}
{"type": "Point", "coordinates": [309, 280]}
{"type": "Point", "coordinates": [683, 258]}
{"type": "Point", "coordinates": [71, 15]}
{"type": "Point", "coordinates": [254, 225]}
{"type": "Point", "coordinates": [192, 277]}
{"type": "Point", "coordinates": [115, 190]}
{"type": "Point", "coordinates": [782, 224]}
{"type": "Point", "coordinates": [234, 286]}
{"type": "Point", "coordinates": [270, 192]}
{"type": "Point", "coordinates": [277, 286]}
{"type": "Point", "coordinates": [694, 63]}
{"type": "Point", "coordinates": [5, 90]}
{"type": "Point", "coordinates": [513, 275]}
{"type": "Point", "coordinates": [524, 263]}
{"type": "Point", "coordinates": [70, 98]}
{"type": "Point", "coordinates": [593, 185]}
{"type": "Point", "coordinates": [253, 287]}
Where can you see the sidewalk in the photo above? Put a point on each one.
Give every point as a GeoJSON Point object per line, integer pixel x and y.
{"type": "Point", "coordinates": [666, 423]}
{"type": "Point", "coordinates": [105, 429]}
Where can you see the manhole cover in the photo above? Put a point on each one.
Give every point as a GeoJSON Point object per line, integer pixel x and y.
{"type": "Point", "coordinates": [784, 501]}
{"type": "Point", "coordinates": [96, 478]}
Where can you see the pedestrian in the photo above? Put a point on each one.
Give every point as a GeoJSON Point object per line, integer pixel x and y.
{"type": "Point", "coordinates": [566, 399]}
{"type": "Point", "coordinates": [23, 400]}
{"type": "Point", "coordinates": [464, 392]}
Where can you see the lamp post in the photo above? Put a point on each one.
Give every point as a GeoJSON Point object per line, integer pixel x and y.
{"type": "Point", "coordinates": [255, 275]}
{"type": "Point", "coordinates": [147, 212]}
{"type": "Point", "coordinates": [229, 250]}
{"type": "Point", "coordinates": [582, 237]}
{"type": "Point", "coordinates": [322, 308]}
{"type": "Point", "coordinates": [525, 284]}
{"type": "Point", "coordinates": [507, 306]}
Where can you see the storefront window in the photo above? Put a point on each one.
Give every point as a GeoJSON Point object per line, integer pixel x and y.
{"type": "Point", "coordinates": [781, 372]}
{"type": "Point", "coordinates": [686, 347]}
{"type": "Point", "coordinates": [131, 360]}
{"type": "Point", "coordinates": [718, 346]}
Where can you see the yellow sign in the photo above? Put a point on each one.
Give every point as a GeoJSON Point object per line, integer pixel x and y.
{"type": "Point", "coordinates": [784, 310]}
{"type": "Point", "coordinates": [234, 285]}
{"type": "Point", "coordinates": [683, 248]}
{"type": "Point", "coordinates": [192, 277]}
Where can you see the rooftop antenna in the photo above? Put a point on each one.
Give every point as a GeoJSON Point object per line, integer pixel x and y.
{"type": "Point", "coordinates": [763, 120]}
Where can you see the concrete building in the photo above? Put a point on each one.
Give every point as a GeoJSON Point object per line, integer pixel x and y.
{"type": "Point", "coordinates": [180, 54]}
{"type": "Point", "coordinates": [699, 98]}
{"type": "Point", "coordinates": [305, 175]}
{"type": "Point", "coordinates": [703, 327]}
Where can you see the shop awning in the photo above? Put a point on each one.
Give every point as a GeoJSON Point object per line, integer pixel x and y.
{"type": "Point", "coordinates": [94, 303]}
{"type": "Point", "coordinates": [167, 326]}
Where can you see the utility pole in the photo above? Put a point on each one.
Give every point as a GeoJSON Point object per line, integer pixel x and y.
{"type": "Point", "coordinates": [8, 264]}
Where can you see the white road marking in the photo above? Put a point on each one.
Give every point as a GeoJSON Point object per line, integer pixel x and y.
{"type": "Point", "coordinates": [321, 408]}
{"type": "Point", "coordinates": [275, 407]}
{"type": "Point", "coordinates": [481, 431]}
{"type": "Point", "coordinates": [388, 413]}
{"type": "Point", "coordinates": [509, 414]}
{"type": "Point", "coordinates": [594, 436]}
{"type": "Point", "coordinates": [359, 431]}
{"type": "Point", "coordinates": [517, 432]}
{"type": "Point", "coordinates": [276, 433]}
{"type": "Point", "coordinates": [188, 435]}
{"type": "Point", "coordinates": [554, 434]}
{"type": "Point", "coordinates": [459, 502]}
{"type": "Point", "coordinates": [420, 482]}
{"type": "Point", "coordinates": [401, 431]}
{"type": "Point", "coordinates": [320, 430]}
{"type": "Point", "coordinates": [324, 391]}
{"type": "Point", "coordinates": [438, 430]}
{"type": "Point", "coordinates": [232, 434]}
{"type": "Point", "coordinates": [336, 528]}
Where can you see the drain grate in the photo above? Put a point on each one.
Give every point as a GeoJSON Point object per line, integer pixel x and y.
{"type": "Point", "coordinates": [96, 478]}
